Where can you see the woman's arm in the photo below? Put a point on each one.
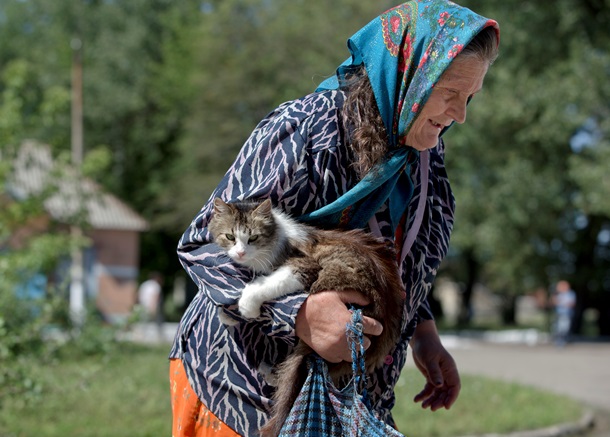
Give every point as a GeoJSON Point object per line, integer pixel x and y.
{"type": "Point", "coordinates": [438, 367]}
{"type": "Point", "coordinates": [286, 159]}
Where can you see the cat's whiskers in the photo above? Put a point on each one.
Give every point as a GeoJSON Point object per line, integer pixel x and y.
{"type": "Point", "coordinates": [264, 260]}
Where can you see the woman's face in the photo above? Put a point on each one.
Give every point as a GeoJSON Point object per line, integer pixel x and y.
{"type": "Point", "coordinates": [447, 103]}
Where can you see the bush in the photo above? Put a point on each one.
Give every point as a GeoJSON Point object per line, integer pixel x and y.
{"type": "Point", "coordinates": [35, 332]}
{"type": "Point", "coordinates": [22, 324]}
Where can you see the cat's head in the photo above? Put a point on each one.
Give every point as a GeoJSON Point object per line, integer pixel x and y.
{"type": "Point", "coordinates": [246, 231]}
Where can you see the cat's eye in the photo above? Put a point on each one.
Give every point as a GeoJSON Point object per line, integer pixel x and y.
{"type": "Point", "coordinates": [253, 238]}
{"type": "Point", "coordinates": [230, 237]}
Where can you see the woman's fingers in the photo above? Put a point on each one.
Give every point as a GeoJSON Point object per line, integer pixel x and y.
{"type": "Point", "coordinates": [371, 326]}
{"type": "Point", "coordinates": [436, 398]}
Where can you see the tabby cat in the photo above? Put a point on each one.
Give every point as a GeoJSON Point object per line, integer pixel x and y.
{"type": "Point", "coordinates": [288, 256]}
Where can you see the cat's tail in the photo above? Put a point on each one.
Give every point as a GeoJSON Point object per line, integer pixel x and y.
{"type": "Point", "coordinates": [291, 375]}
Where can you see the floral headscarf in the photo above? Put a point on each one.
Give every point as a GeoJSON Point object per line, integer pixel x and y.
{"type": "Point", "coordinates": [405, 52]}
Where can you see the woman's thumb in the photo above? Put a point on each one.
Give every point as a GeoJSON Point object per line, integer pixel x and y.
{"type": "Point", "coordinates": [435, 376]}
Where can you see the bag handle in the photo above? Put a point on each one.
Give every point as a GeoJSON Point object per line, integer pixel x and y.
{"type": "Point", "coordinates": [355, 338]}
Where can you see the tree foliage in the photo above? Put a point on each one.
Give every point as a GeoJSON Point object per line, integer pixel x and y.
{"type": "Point", "coordinates": [173, 89]}
{"type": "Point", "coordinates": [24, 255]}
{"type": "Point", "coordinates": [253, 55]}
{"type": "Point", "coordinates": [523, 187]}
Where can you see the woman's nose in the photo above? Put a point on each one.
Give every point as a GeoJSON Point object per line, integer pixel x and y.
{"type": "Point", "coordinates": [458, 111]}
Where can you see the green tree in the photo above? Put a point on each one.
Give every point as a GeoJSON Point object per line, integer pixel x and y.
{"type": "Point", "coordinates": [253, 55]}
{"type": "Point", "coordinates": [173, 89]}
{"type": "Point", "coordinates": [23, 255]}
{"type": "Point", "coordinates": [516, 174]}
{"type": "Point", "coordinates": [137, 63]}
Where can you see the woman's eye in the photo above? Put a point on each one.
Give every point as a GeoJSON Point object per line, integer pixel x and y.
{"type": "Point", "coordinates": [230, 237]}
{"type": "Point", "coordinates": [253, 238]}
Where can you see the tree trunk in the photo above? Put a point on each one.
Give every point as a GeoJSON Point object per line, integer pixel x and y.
{"type": "Point", "coordinates": [472, 271]}
{"type": "Point", "coordinates": [603, 318]}
{"type": "Point", "coordinates": [509, 310]}
{"type": "Point", "coordinates": [586, 270]}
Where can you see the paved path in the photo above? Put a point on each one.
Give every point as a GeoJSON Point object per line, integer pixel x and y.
{"type": "Point", "coordinates": [579, 370]}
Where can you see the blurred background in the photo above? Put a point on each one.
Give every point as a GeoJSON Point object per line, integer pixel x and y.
{"type": "Point", "coordinates": [119, 117]}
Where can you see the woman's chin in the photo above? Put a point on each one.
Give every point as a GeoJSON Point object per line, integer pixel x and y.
{"type": "Point", "coordinates": [424, 147]}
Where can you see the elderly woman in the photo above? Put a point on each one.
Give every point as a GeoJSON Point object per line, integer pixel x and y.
{"type": "Point", "coordinates": [364, 150]}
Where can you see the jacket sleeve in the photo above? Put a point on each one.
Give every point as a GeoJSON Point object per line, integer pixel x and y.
{"type": "Point", "coordinates": [282, 161]}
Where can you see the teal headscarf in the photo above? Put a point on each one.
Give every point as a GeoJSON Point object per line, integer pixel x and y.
{"type": "Point", "coordinates": [405, 52]}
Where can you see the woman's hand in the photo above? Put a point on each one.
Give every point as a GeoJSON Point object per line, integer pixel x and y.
{"type": "Point", "coordinates": [322, 319]}
{"type": "Point", "coordinates": [436, 364]}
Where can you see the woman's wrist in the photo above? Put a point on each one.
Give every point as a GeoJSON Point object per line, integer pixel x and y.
{"type": "Point", "coordinates": [425, 331]}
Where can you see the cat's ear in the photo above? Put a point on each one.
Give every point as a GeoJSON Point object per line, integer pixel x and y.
{"type": "Point", "coordinates": [264, 208]}
{"type": "Point", "coordinates": [220, 206]}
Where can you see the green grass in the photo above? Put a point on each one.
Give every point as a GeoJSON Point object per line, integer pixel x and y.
{"type": "Point", "coordinates": [127, 394]}
{"type": "Point", "coordinates": [485, 406]}
{"type": "Point", "coordinates": [123, 394]}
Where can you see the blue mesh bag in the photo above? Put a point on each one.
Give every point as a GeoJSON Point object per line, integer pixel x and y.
{"type": "Point", "coordinates": [321, 409]}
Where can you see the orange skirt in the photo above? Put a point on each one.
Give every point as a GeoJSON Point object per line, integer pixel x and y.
{"type": "Point", "coordinates": [190, 417]}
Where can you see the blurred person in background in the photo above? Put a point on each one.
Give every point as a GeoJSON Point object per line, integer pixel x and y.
{"type": "Point", "coordinates": [149, 297]}
{"type": "Point", "coordinates": [564, 301]}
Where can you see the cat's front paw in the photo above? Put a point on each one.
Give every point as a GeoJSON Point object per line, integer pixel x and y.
{"type": "Point", "coordinates": [249, 308]}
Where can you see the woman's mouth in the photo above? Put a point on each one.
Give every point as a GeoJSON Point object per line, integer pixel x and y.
{"type": "Point", "coordinates": [437, 125]}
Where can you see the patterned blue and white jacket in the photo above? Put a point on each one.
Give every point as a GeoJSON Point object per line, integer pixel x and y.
{"type": "Point", "coordinates": [298, 157]}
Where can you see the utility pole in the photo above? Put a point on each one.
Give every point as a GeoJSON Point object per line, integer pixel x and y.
{"type": "Point", "coordinates": [77, 289]}
{"type": "Point", "coordinates": [77, 102]}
